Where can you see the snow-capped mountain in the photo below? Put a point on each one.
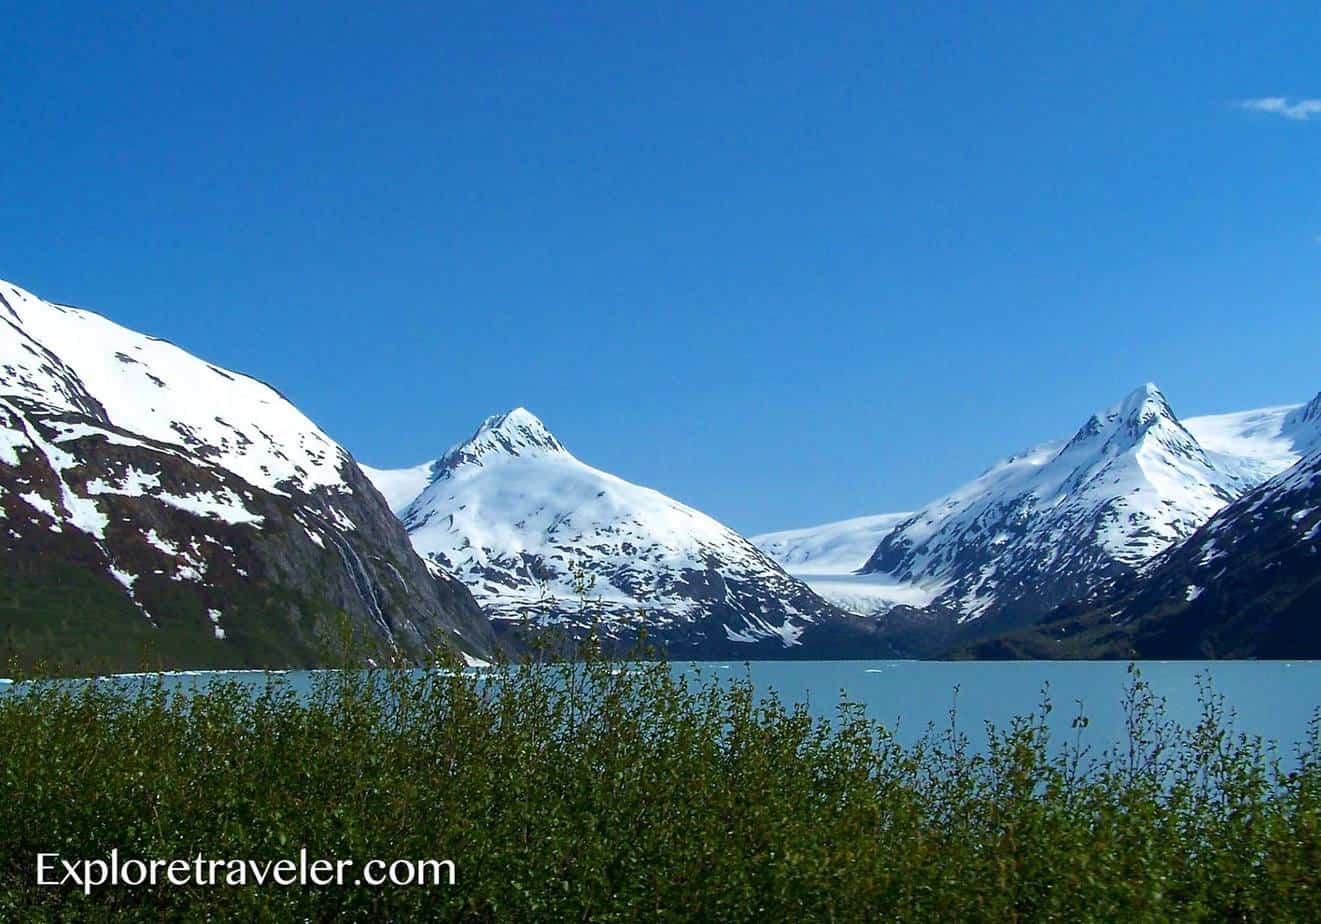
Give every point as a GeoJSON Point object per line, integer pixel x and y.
{"type": "Point", "coordinates": [515, 514]}
{"type": "Point", "coordinates": [1044, 525]}
{"type": "Point", "coordinates": [198, 508]}
{"type": "Point", "coordinates": [1051, 523]}
{"type": "Point", "coordinates": [1247, 584]}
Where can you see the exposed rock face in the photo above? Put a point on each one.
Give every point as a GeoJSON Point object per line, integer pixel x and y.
{"type": "Point", "coordinates": [152, 500]}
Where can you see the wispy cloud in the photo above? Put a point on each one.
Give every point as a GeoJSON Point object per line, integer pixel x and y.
{"type": "Point", "coordinates": [1299, 110]}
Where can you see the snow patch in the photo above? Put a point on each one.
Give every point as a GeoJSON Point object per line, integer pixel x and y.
{"type": "Point", "coordinates": [123, 577]}
{"type": "Point", "coordinates": [222, 505]}
{"type": "Point", "coordinates": [156, 541]}
{"type": "Point", "coordinates": [34, 499]}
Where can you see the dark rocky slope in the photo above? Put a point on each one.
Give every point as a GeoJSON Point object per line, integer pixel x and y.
{"type": "Point", "coordinates": [1245, 585]}
{"type": "Point", "coordinates": [154, 505]}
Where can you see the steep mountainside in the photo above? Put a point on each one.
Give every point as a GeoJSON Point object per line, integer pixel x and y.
{"type": "Point", "coordinates": [515, 514]}
{"type": "Point", "coordinates": [1246, 584]}
{"type": "Point", "coordinates": [149, 499]}
{"type": "Point", "coordinates": [1061, 520]}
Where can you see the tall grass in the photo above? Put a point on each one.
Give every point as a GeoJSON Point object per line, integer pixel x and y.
{"type": "Point", "coordinates": [594, 790]}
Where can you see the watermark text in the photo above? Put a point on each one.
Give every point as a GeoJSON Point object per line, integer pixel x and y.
{"type": "Point", "coordinates": [116, 871]}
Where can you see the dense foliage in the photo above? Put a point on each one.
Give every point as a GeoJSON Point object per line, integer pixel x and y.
{"type": "Point", "coordinates": [594, 790]}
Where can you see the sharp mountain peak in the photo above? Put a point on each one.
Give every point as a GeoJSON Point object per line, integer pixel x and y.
{"type": "Point", "coordinates": [1125, 424]}
{"type": "Point", "coordinates": [517, 432]}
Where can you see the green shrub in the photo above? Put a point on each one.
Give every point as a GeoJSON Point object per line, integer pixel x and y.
{"type": "Point", "coordinates": [611, 792]}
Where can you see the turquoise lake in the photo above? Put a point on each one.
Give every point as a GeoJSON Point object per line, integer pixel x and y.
{"type": "Point", "coordinates": [1271, 699]}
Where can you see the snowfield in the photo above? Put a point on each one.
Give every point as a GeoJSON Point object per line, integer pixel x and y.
{"type": "Point", "coordinates": [842, 547]}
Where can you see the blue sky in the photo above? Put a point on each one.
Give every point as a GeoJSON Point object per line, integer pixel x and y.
{"type": "Point", "coordinates": [785, 262]}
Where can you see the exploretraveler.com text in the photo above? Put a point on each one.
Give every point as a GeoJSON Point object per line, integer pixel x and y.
{"type": "Point", "coordinates": [115, 871]}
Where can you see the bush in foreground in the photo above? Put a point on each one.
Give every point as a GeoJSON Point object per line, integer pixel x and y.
{"type": "Point", "coordinates": [591, 790]}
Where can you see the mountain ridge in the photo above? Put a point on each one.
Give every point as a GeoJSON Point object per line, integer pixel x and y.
{"type": "Point", "coordinates": [204, 513]}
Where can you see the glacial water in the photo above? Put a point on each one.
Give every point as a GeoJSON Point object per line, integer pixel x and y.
{"type": "Point", "coordinates": [1271, 699]}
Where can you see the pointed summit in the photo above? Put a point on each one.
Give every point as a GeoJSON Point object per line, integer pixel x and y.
{"type": "Point", "coordinates": [514, 433]}
{"type": "Point", "coordinates": [524, 523]}
{"type": "Point", "coordinates": [1123, 425]}
{"type": "Point", "coordinates": [1143, 407]}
